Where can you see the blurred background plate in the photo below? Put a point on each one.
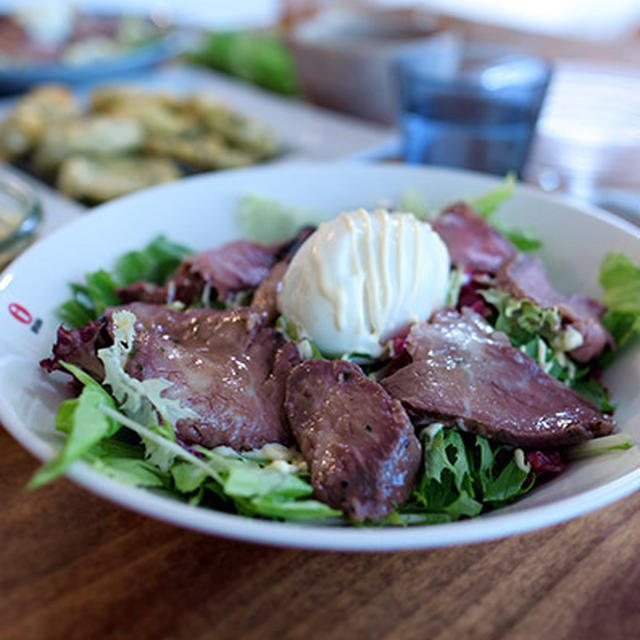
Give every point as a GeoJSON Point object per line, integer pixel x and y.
{"type": "Point", "coordinates": [59, 42]}
{"type": "Point", "coordinates": [16, 79]}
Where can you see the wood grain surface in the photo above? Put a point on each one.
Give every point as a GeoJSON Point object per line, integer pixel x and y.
{"type": "Point", "coordinates": [74, 566]}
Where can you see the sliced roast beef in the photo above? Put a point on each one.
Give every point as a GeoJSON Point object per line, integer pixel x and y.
{"type": "Point", "coordinates": [465, 373]}
{"type": "Point", "coordinates": [79, 347]}
{"type": "Point", "coordinates": [185, 287]}
{"type": "Point", "coordinates": [233, 267]}
{"type": "Point", "coordinates": [358, 442]}
{"type": "Point", "coordinates": [525, 277]}
{"type": "Point", "coordinates": [143, 292]}
{"type": "Point", "coordinates": [265, 297]}
{"type": "Point", "coordinates": [472, 243]}
{"type": "Point", "coordinates": [224, 365]}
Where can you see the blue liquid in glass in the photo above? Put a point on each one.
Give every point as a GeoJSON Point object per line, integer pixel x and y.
{"type": "Point", "coordinates": [457, 125]}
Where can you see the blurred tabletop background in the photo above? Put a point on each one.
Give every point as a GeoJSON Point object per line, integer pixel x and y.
{"type": "Point", "coordinates": [74, 566]}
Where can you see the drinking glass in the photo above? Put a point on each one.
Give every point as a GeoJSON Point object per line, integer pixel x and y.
{"type": "Point", "coordinates": [474, 108]}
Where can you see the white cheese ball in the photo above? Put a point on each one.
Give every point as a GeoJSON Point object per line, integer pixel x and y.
{"type": "Point", "coordinates": [362, 277]}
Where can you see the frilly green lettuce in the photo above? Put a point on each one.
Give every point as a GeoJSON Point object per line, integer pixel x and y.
{"type": "Point", "coordinates": [141, 400]}
{"type": "Point", "coordinates": [620, 279]}
{"type": "Point", "coordinates": [487, 205]}
{"type": "Point", "coordinates": [463, 476]}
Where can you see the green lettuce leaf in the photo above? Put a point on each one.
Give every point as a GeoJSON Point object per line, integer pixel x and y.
{"type": "Point", "coordinates": [245, 478]}
{"type": "Point", "coordinates": [506, 485]}
{"type": "Point", "coordinates": [265, 491]}
{"type": "Point", "coordinates": [539, 333]}
{"type": "Point", "coordinates": [155, 263]}
{"type": "Point", "coordinates": [620, 279]}
{"type": "Point", "coordinates": [254, 488]}
{"type": "Point", "coordinates": [463, 476]}
{"type": "Point", "coordinates": [554, 363]}
{"type": "Point", "coordinates": [187, 477]}
{"type": "Point", "coordinates": [125, 463]}
{"type": "Point", "coordinates": [141, 400]}
{"type": "Point", "coordinates": [488, 204]}
{"type": "Point", "coordinates": [413, 201]}
{"type": "Point", "coordinates": [84, 423]}
{"type": "Point", "coordinates": [281, 509]}
{"type": "Point", "coordinates": [523, 320]}
{"type": "Point", "coordinates": [269, 221]}
{"type": "Point", "coordinates": [593, 391]}
{"type": "Point", "coordinates": [456, 280]}
{"type": "Point", "coordinates": [74, 312]}
{"type": "Point", "coordinates": [598, 446]}
{"type": "Point", "coordinates": [524, 239]}
{"type": "Point", "coordinates": [101, 288]}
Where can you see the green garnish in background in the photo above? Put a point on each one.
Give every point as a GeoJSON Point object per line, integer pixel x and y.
{"type": "Point", "coordinates": [258, 57]}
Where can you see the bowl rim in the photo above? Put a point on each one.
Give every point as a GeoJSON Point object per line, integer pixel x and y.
{"type": "Point", "coordinates": [490, 526]}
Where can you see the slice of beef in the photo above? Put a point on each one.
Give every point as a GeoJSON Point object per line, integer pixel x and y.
{"type": "Point", "coordinates": [224, 365]}
{"type": "Point", "coordinates": [525, 277]}
{"type": "Point", "coordinates": [143, 292]}
{"type": "Point", "coordinates": [185, 287]}
{"type": "Point", "coordinates": [472, 243]}
{"type": "Point", "coordinates": [233, 267]}
{"type": "Point", "coordinates": [359, 443]}
{"type": "Point", "coordinates": [79, 347]}
{"type": "Point", "coordinates": [465, 373]}
{"type": "Point", "coordinates": [265, 297]}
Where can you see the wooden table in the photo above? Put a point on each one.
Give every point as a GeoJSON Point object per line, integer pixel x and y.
{"type": "Point", "coordinates": [74, 566]}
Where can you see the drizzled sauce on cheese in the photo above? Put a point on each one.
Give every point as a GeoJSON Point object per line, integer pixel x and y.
{"type": "Point", "coordinates": [363, 276]}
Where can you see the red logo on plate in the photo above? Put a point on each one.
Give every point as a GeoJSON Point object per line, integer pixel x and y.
{"type": "Point", "coordinates": [20, 313]}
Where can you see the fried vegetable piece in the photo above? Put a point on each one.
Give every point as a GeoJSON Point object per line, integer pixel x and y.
{"type": "Point", "coordinates": [110, 96]}
{"type": "Point", "coordinates": [72, 147]}
{"type": "Point", "coordinates": [35, 113]}
{"type": "Point", "coordinates": [95, 180]}
{"type": "Point", "coordinates": [206, 152]}
{"type": "Point", "coordinates": [98, 136]}
{"type": "Point", "coordinates": [238, 130]}
{"type": "Point", "coordinates": [158, 113]}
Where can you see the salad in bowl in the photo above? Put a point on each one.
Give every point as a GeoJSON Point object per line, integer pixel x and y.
{"type": "Point", "coordinates": [384, 366]}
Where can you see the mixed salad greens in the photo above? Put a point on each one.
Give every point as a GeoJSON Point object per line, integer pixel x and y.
{"type": "Point", "coordinates": [123, 428]}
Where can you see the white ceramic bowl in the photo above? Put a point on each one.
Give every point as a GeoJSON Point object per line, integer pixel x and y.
{"type": "Point", "coordinates": [199, 212]}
